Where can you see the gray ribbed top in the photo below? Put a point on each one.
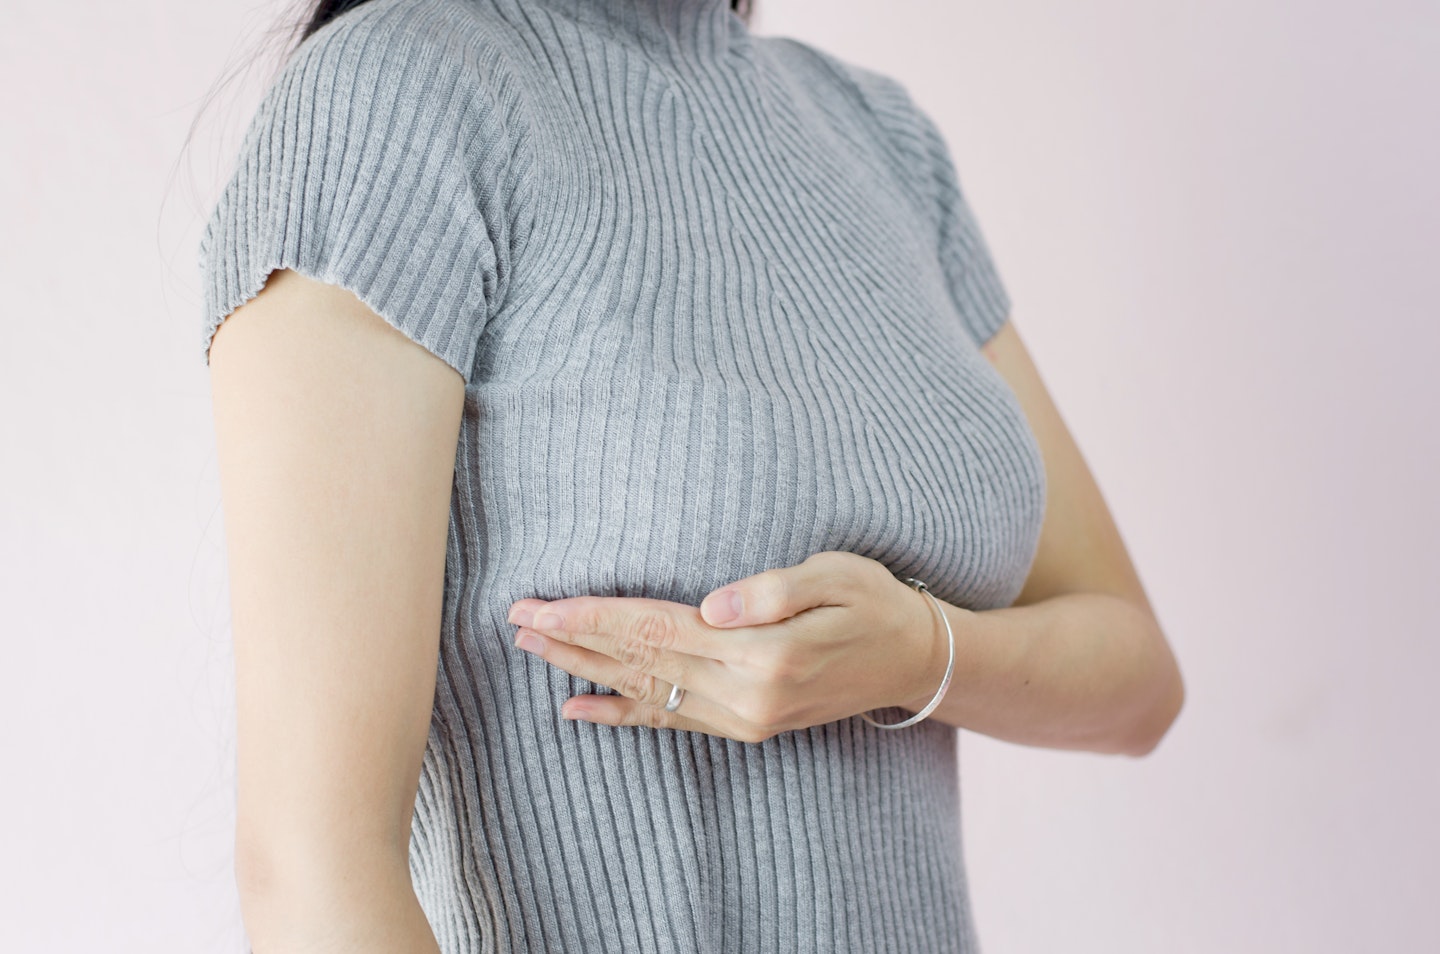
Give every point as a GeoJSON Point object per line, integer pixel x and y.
{"type": "Point", "coordinates": [717, 299]}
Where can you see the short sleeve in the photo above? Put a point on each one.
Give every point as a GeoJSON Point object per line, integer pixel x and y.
{"type": "Point", "coordinates": [970, 272]}
{"type": "Point", "coordinates": [376, 161]}
{"type": "Point", "coordinates": [924, 161]}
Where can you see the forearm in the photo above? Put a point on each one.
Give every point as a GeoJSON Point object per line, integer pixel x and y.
{"type": "Point", "coordinates": [352, 905]}
{"type": "Point", "coordinates": [1087, 671]}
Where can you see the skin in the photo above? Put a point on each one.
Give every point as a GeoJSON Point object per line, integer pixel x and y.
{"type": "Point", "coordinates": [1079, 661]}
{"type": "Point", "coordinates": [336, 440]}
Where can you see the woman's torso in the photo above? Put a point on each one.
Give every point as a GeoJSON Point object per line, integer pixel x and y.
{"type": "Point", "coordinates": [725, 344]}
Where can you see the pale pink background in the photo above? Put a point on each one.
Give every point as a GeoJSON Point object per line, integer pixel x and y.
{"type": "Point", "coordinates": [1218, 223]}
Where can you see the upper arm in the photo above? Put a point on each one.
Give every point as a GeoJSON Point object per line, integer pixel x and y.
{"type": "Point", "coordinates": [350, 267]}
{"type": "Point", "coordinates": [1080, 547]}
{"type": "Point", "coordinates": [336, 444]}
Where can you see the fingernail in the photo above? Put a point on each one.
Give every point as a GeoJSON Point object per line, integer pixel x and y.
{"type": "Point", "coordinates": [528, 641]}
{"type": "Point", "coordinates": [548, 619]}
{"type": "Point", "coordinates": [722, 606]}
{"type": "Point", "coordinates": [520, 615]}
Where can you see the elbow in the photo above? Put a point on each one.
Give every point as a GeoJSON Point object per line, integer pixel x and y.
{"type": "Point", "coordinates": [1148, 730]}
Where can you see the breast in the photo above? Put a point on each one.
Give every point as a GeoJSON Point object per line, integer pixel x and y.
{"type": "Point", "coordinates": [720, 358]}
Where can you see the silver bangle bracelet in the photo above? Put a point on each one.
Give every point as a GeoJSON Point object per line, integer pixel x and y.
{"type": "Point", "coordinates": [949, 667]}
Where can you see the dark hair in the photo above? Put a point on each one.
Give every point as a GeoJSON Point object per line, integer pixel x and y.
{"type": "Point", "coordinates": [326, 10]}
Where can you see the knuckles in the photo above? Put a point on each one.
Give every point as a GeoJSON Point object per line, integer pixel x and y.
{"type": "Point", "coordinates": [772, 670]}
{"type": "Point", "coordinates": [634, 654]}
{"type": "Point", "coordinates": [640, 686]}
{"type": "Point", "coordinates": [765, 595]}
{"type": "Point", "coordinates": [644, 639]}
{"type": "Point", "coordinates": [655, 630]}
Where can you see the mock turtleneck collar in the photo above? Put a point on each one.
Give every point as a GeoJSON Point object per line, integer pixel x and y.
{"type": "Point", "coordinates": [678, 30]}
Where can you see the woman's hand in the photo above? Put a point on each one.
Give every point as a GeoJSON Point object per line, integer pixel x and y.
{"type": "Point", "coordinates": [833, 636]}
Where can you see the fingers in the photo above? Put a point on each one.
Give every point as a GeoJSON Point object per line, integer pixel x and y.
{"type": "Point", "coordinates": [642, 647]}
{"type": "Point", "coordinates": [823, 579]}
{"type": "Point", "coordinates": [646, 680]}
{"type": "Point", "coordinates": [739, 671]}
{"type": "Point", "coordinates": [629, 628]}
{"type": "Point", "coordinates": [642, 696]}
{"type": "Point", "coordinates": [618, 710]}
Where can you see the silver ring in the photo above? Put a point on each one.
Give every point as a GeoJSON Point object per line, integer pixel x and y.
{"type": "Point", "coordinates": [673, 703]}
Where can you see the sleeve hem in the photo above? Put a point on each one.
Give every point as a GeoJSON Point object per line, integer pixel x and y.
{"type": "Point", "coordinates": [376, 162]}
{"type": "Point", "coordinates": [983, 305]}
{"type": "Point", "coordinates": [456, 351]}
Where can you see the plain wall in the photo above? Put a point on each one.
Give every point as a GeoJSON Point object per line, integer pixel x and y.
{"type": "Point", "coordinates": [1218, 223]}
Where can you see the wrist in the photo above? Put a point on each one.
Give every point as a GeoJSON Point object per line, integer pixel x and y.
{"type": "Point", "coordinates": [927, 634]}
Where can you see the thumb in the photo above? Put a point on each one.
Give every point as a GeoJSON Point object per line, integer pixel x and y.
{"type": "Point", "coordinates": [766, 597]}
{"type": "Point", "coordinates": [725, 606]}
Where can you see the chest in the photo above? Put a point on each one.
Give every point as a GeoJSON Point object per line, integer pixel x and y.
{"type": "Point", "coordinates": [729, 345]}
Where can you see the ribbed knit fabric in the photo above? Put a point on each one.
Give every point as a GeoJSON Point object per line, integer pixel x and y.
{"type": "Point", "coordinates": [717, 300]}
